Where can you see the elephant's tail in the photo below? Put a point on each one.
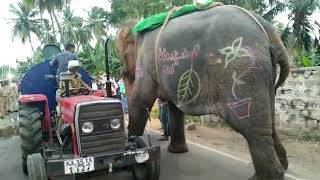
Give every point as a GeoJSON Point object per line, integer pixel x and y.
{"type": "Point", "coordinates": [278, 52]}
{"type": "Point", "coordinates": [279, 55]}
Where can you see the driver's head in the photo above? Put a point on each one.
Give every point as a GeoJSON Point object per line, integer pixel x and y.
{"type": "Point", "coordinates": [70, 47]}
{"type": "Point", "coordinates": [73, 66]}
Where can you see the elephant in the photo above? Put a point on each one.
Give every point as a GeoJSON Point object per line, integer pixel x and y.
{"type": "Point", "coordinates": [220, 61]}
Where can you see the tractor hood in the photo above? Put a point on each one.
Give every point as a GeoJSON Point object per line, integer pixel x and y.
{"type": "Point", "coordinates": [68, 105]}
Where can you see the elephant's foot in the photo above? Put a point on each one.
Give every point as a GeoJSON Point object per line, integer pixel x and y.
{"type": "Point", "coordinates": [255, 177]}
{"type": "Point", "coordinates": [178, 148]}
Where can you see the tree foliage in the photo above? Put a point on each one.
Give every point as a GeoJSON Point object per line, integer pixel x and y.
{"type": "Point", "coordinates": [89, 33]}
{"type": "Point", "coordinates": [25, 23]}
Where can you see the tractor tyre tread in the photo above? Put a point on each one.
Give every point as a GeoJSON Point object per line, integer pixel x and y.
{"type": "Point", "coordinates": [36, 167]}
{"type": "Point", "coordinates": [30, 132]}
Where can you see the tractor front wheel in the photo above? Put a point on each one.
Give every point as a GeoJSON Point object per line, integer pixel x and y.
{"type": "Point", "coordinates": [30, 132]}
{"type": "Point", "coordinates": [36, 167]}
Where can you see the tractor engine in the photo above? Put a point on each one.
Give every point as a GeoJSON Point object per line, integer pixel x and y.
{"type": "Point", "coordinates": [96, 125]}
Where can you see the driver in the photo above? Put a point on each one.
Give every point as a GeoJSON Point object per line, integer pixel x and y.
{"type": "Point", "coordinates": [76, 83]}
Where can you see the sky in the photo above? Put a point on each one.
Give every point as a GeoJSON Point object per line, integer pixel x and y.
{"type": "Point", "coordinates": [14, 49]}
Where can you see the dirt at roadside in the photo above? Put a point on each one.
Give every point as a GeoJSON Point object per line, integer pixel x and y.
{"type": "Point", "coordinates": [9, 126]}
{"type": "Point", "coordinates": [304, 157]}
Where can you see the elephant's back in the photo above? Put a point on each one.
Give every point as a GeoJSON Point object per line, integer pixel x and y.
{"type": "Point", "coordinates": [201, 55]}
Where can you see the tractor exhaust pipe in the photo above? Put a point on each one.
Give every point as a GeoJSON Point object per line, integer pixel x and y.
{"type": "Point", "coordinates": [108, 83]}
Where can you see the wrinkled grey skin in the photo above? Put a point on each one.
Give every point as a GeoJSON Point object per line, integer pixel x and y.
{"type": "Point", "coordinates": [239, 87]}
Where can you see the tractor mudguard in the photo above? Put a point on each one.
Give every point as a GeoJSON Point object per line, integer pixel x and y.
{"type": "Point", "coordinates": [39, 98]}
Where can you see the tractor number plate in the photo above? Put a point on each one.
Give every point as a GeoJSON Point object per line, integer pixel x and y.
{"type": "Point", "coordinates": [80, 165]}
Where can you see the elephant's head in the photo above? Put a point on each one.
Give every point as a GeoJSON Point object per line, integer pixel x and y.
{"type": "Point", "coordinates": [138, 115]}
{"type": "Point", "coordinates": [126, 46]}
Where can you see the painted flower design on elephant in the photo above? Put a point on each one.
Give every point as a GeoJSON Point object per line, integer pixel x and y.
{"type": "Point", "coordinates": [234, 51]}
{"type": "Point", "coordinates": [236, 81]}
{"type": "Point", "coordinates": [240, 107]}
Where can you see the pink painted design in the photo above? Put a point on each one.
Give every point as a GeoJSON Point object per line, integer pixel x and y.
{"type": "Point", "coordinates": [241, 108]}
{"type": "Point", "coordinates": [177, 55]}
{"type": "Point", "coordinates": [139, 72]}
{"type": "Point", "coordinates": [253, 58]}
{"type": "Point", "coordinates": [168, 69]}
{"type": "Point", "coordinates": [170, 59]}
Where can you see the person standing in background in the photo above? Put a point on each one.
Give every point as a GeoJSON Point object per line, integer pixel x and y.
{"type": "Point", "coordinates": [159, 103]}
{"type": "Point", "coordinates": [123, 96]}
{"type": "Point", "coordinates": [2, 101]}
{"type": "Point", "coordinates": [94, 85]}
{"type": "Point", "coordinates": [164, 117]}
{"type": "Point", "coordinates": [13, 96]}
{"type": "Point", "coordinates": [6, 97]}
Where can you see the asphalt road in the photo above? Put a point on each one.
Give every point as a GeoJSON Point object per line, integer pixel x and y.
{"type": "Point", "coordinates": [199, 164]}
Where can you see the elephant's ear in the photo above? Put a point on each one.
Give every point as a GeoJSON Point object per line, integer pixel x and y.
{"type": "Point", "coordinates": [125, 37]}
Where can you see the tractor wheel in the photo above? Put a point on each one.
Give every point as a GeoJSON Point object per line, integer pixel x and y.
{"type": "Point", "coordinates": [146, 171]}
{"type": "Point", "coordinates": [36, 167]}
{"type": "Point", "coordinates": [30, 132]}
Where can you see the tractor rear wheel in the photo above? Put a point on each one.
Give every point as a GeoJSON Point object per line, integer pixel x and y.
{"type": "Point", "coordinates": [36, 167]}
{"type": "Point", "coordinates": [30, 132]}
{"type": "Point", "coordinates": [149, 170]}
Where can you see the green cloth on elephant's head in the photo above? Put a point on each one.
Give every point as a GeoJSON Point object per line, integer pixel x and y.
{"type": "Point", "coordinates": [157, 20]}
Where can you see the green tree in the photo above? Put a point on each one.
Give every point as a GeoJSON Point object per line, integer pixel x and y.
{"type": "Point", "coordinates": [46, 37]}
{"type": "Point", "coordinates": [70, 24]}
{"type": "Point", "coordinates": [268, 9]}
{"type": "Point", "coordinates": [24, 65]}
{"type": "Point", "coordinates": [25, 23]}
{"type": "Point", "coordinates": [5, 70]}
{"type": "Point", "coordinates": [125, 9]}
{"type": "Point", "coordinates": [94, 61]}
{"type": "Point", "coordinates": [300, 12]}
{"type": "Point", "coordinates": [97, 22]}
{"type": "Point", "coordinates": [50, 6]}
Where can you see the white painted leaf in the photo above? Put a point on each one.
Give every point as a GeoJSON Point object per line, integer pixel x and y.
{"type": "Point", "coordinates": [187, 89]}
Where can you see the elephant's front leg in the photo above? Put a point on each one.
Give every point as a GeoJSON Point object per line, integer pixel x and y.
{"type": "Point", "coordinates": [176, 121]}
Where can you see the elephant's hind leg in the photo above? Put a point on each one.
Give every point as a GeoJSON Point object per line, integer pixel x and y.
{"type": "Point", "coordinates": [176, 121]}
{"type": "Point", "coordinates": [281, 151]}
{"type": "Point", "coordinates": [264, 155]}
{"type": "Point", "coordinates": [278, 146]}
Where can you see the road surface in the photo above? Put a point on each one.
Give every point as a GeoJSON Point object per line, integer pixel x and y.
{"type": "Point", "coordinates": [199, 163]}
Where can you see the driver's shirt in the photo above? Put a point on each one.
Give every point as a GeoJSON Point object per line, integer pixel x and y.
{"type": "Point", "coordinates": [61, 60]}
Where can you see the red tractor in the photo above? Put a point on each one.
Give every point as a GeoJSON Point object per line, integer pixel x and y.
{"type": "Point", "coordinates": [89, 136]}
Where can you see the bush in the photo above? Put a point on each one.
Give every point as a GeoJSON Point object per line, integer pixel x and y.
{"type": "Point", "coordinates": [154, 112]}
{"type": "Point", "coordinates": [189, 119]}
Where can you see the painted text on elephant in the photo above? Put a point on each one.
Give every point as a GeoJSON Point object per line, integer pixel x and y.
{"type": "Point", "coordinates": [174, 57]}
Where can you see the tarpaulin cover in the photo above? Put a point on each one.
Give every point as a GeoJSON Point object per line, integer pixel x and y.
{"type": "Point", "coordinates": [34, 82]}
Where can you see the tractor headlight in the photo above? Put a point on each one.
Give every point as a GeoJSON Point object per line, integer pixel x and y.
{"type": "Point", "coordinates": [115, 123]}
{"type": "Point", "coordinates": [87, 127]}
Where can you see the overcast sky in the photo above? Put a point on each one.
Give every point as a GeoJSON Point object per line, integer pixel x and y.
{"type": "Point", "coordinates": [12, 50]}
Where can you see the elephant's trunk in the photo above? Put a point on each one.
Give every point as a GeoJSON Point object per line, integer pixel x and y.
{"type": "Point", "coordinates": [138, 116]}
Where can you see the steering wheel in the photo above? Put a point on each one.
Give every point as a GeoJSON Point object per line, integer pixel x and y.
{"type": "Point", "coordinates": [77, 91]}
